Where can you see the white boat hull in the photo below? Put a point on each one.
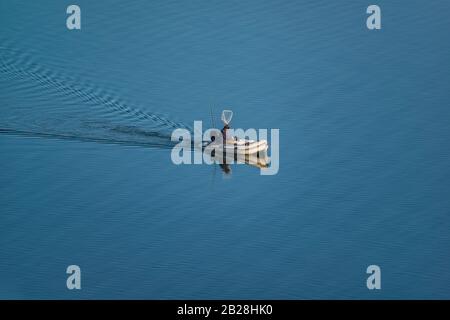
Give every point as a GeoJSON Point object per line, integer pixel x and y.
{"type": "Point", "coordinates": [240, 147]}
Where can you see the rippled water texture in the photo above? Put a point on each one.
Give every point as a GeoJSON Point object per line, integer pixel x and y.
{"type": "Point", "coordinates": [86, 175]}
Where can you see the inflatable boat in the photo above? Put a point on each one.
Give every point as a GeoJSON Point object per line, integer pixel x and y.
{"type": "Point", "coordinates": [238, 147]}
{"type": "Point", "coordinates": [233, 145]}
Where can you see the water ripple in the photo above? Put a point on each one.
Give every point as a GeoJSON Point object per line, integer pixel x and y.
{"type": "Point", "coordinates": [72, 108]}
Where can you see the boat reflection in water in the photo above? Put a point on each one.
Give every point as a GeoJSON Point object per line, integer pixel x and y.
{"type": "Point", "coordinates": [226, 149]}
{"type": "Point", "coordinates": [259, 160]}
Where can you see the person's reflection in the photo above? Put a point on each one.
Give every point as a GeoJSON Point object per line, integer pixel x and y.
{"type": "Point", "coordinates": [225, 168]}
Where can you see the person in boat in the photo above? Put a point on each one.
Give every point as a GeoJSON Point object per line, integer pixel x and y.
{"type": "Point", "coordinates": [226, 134]}
{"type": "Point", "coordinates": [226, 118]}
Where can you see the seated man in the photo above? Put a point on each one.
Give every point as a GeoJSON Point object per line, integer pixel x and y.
{"type": "Point", "coordinates": [227, 138]}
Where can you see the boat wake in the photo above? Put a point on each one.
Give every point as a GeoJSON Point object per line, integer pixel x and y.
{"type": "Point", "coordinates": [42, 102]}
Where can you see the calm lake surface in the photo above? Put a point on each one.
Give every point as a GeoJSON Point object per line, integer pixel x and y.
{"type": "Point", "coordinates": [87, 179]}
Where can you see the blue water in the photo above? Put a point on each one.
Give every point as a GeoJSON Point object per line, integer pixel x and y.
{"type": "Point", "coordinates": [86, 176]}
